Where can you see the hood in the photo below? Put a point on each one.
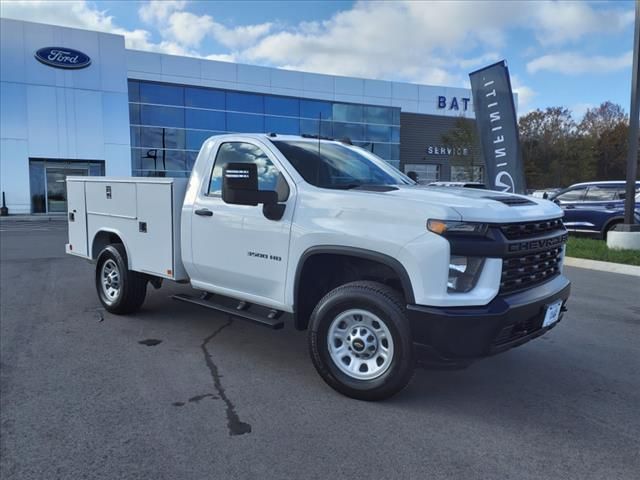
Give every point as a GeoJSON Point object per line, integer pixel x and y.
{"type": "Point", "coordinates": [477, 205]}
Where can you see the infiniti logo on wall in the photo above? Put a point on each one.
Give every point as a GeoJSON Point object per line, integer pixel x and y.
{"type": "Point", "coordinates": [63, 57]}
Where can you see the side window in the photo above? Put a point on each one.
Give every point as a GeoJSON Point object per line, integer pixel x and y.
{"type": "Point", "coordinates": [574, 195]}
{"type": "Point", "coordinates": [600, 194]}
{"type": "Point", "coordinates": [269, 178]}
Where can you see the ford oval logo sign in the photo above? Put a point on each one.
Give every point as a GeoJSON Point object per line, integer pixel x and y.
{"type": "Point", "coordinates": [62, 57]}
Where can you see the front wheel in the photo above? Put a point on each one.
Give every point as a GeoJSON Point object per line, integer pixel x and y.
{"type": "Point", "coordinates": [120, 290]}
{"type": "Point", "coordinates": [360, 341]}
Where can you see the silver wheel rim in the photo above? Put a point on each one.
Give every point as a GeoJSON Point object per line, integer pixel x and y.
{"type": "Point", "coordinates": [360, 344]}
{"type": "Point", "coordinates": [110, 280]}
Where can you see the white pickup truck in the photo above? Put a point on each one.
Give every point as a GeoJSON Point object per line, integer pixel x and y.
{"type": "Point", "coordinates": [382, 272]}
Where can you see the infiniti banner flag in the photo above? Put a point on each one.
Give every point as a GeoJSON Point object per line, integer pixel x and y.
{"type": "Point", "coordinates": [498, 128]}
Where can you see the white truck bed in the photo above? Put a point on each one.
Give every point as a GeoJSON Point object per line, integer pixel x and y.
{"type": "Point", "coordinates": [144, 212]}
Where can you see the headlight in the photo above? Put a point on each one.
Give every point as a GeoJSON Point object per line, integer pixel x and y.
{"type": "Point", "coordinates": [463, 273]}
{"type": "Point", "coordinates": [442, 227]}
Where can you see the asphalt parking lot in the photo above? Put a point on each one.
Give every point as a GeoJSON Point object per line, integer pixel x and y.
{"type": "Point", "coordinates": [179, 392]}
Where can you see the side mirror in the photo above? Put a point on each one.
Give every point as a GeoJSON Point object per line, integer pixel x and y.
{"type": "Point", "coordinates": [412, 175]}
{"type": "Point", "coordinates": [545, 195]}
{"type": "Point", "coordinates": [240, 187]}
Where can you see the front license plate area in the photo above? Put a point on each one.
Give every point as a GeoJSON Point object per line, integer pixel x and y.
{"type": "Point", "coordinates": [552, 314]}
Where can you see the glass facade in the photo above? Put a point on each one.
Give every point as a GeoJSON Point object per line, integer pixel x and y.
{"type": "Point", "coordinates": [170, 122]}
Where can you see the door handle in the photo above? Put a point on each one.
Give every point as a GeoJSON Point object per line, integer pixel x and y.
{"type": "Point", "coordinates": [569, 207]}
{"type": "Point", "coordinates": [204, 212]}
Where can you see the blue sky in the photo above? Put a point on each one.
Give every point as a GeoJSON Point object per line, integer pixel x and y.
{"type": "Point", "coordinates": [573, 54]}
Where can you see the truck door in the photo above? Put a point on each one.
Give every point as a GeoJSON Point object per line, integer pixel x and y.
{"type": "Point", "coordinates": [235, 248]}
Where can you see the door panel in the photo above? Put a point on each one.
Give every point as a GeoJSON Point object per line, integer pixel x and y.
{"type": "Point", "coordinates": [236, 247]}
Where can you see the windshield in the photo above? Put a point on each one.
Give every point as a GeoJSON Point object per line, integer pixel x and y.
{"type": "Point", "coordinates": [330, 165]}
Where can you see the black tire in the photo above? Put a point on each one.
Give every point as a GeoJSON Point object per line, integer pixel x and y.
{"type": "Point", "coordinates": [132, 286]}
{"type": "Point", "coordinates": [388, 306]}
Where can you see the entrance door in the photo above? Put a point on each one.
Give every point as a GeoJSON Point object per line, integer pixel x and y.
{"type": "Point", "coordinates": [57, 187]}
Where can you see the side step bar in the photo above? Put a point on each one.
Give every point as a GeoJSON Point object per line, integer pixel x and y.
{"type": "Point", "coordinates": [272, 319]}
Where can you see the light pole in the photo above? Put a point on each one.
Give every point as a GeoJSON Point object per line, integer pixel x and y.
{"type": "Point", "coordinates": [632, 156]}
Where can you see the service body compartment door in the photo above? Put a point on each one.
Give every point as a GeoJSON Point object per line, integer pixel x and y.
{"type": "Point", "coordinates": [153, 240]}
{"type": "Point", "coordinates": [77, 218]}
{"type": "Point", "coordinates": [115, 199]}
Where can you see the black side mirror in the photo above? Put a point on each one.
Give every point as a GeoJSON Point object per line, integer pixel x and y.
{"type": "Point", "coordinates": [545, 195]}
{"type": "Point", "coordinates": [412, 175]}
{"type": "Point", "coordinates": [240, 187]}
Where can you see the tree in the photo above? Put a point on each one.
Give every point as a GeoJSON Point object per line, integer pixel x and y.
{"type": "Point", "coordinates": [552, 152]}
{"type": "Point", "coordinates": [606, 117]}
{"type": "Point", "coordinates": [606, 128]}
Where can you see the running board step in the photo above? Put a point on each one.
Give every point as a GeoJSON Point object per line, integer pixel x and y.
{"type": "Point", "coordinates": [242, 309]}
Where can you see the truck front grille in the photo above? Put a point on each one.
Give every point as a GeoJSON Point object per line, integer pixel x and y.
{"type": "Point", "coordinates": [514, 231]}
{"type": "Point", "coordinates": [523, 272]}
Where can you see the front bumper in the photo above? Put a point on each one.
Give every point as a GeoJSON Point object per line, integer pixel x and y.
{"type": "Point", "coordinates": [465, 333]}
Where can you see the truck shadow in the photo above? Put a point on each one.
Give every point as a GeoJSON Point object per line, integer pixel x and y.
{"type": "Point", "coordinates": [525, 376]}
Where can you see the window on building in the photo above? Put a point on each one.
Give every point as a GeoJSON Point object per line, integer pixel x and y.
{"type": "Point", "coordinates": [352, 131]}
{"type": "Point", "coordinates": [311, 127]}
{"type": "Point", "coordinates": [204, 98]}
{"type": "Point", "coordinates": [195, 138]}
{"type": "Point", "coordinates": [134, 90]}
{"type": "Point", "coordinates": [314, 109]}
{"type": "Point", "coordinates": [269, 178]}
{"type": "Point", "coordinates": [345, 112]}
{"type": "Point", "coordinates": [288, 107]}
{"type": "Point", "coordinates": [161, 94]}
{"type": "Point", "coordinates": [205, 119]}
{"type": "Point", "coordinates": [378, 133]}
{"type": "Point", "coordinates": [426, 172]}
{"type": "Point", "coordinates": [245, 123]}
{"type": "Point", "coordinates": [162, 116]}
{"type": "Point", "coordinates": [467, 173]}
{"type": "Point", "coordinates": [282, 125]}
{"type": "Point", "coordinates": [158, 137]}
{"type": "Point", "coordinates": [383, 115]}
{"type": "Point", "coordinates": [245, 102]}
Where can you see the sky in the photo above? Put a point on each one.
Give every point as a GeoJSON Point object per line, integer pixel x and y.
{"type": "Point", "coordinates": [571, 54]}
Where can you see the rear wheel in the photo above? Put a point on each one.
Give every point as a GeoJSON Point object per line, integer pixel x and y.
{"type": "Point", "coordinates": [360, 341]}
{"type": "Point", "coordinates": [120, 290]}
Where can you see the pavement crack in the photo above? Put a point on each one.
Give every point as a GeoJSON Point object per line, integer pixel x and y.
{"type": "Point", "coordinates": [234, 424]}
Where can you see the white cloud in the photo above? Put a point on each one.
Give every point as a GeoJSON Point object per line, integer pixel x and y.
{"type": "Point", "coordinates": [159, 10]}
{"type": "Point", "coordinates": [433, 43]}
{"type": "Point", "coordinates": [563, 22]}
{"type": "Point", "coordinates": [188, 29]}
{"type": "Point", "coordinates": [525, 94]}
{"type": "Point", "coordinates": [574, 63]}
{"type": "Point", "coordinates": [242, 36]}
{"type": "Point", "coordinates": [80, 14]}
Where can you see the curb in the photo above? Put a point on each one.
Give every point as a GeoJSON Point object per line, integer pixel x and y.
{"type": "Point", "coordinates": [609, 267]}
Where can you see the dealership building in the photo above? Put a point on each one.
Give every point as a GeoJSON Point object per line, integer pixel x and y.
{"type": "Point", "coordinates": [77, 102]}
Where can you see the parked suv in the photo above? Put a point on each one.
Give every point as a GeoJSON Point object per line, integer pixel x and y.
{"type": "Point", "coordinates": [594, 207]}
